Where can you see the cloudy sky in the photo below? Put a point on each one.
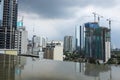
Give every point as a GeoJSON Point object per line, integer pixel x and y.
{"type": "Point", "coordinates": [57, 18]}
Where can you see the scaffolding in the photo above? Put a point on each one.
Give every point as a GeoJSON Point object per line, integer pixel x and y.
{"type": "Point", "coordinates": [95, 41]}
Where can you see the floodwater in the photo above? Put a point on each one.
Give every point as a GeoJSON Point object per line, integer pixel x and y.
{"type": "Point", "coordinates": [26, 68]}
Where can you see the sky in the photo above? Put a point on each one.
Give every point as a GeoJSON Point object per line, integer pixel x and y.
{"type": "Point", "coordinates": [57, 18]}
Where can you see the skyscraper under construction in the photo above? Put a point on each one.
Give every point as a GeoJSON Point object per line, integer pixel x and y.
{"type": "Point", "coordinates": [97, 41]}
{"type": "Point", "coordinates": [8, 23]}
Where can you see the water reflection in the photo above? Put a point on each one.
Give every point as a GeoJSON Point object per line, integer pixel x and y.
{"type": "Point", "coordinates": [9, 66]}
{"type": "Point", "coordinates": [21, 62]}
{"type": "Point", "coordinates": [95, 70]}
{"type": "Point", "coordinates": [22, 68]}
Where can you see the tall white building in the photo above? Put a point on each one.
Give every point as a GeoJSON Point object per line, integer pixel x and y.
{"type": "Point", "coordinates": [54, 50]}
{"type": "Point", "coordinates": [21, 40]}
{"type": "Point", "coordinates": [39, 41]}
{"type": "Point", "coordinates": [43, 41]}
{"type": "Point", "coordinates": [68, 43]}
{"type": "Point", "coordinates": [38, 44]}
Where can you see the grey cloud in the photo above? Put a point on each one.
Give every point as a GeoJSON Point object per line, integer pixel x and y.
{"type": "Point", "coordinates": [59, 8]}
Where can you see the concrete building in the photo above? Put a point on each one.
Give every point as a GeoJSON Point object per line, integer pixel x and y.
{"type": "Point", "coordinates": [54, 50]}
{"type": "Point", "coordinates": [8, 23]}
{"type": "Point", "coordinates": [43, 41]}
{"type": "Point", "coordinates": [29, 46]}
{"type": "Point", "coordinates": [21, 39]}
{"type": "Point", "coordinates": [97, 41]}
{"type": "Point", "coordinates": [38, 43]}
{"type": "Point", "coordinates": [9, 51]}
{"type": "Point", "coordinates": [68, 43]}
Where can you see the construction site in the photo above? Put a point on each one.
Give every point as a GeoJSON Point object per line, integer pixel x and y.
{"type": "Point", "coordinates": [96, 39]}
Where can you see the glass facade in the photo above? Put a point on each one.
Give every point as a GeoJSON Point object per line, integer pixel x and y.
{"type": "Point", "coordinates": [8, 23]}
{"type": "Point", "coordinates": [95, 38]}
{"type": "Point", "coordinates": [20, 24]}
{"type": "Point", "coordinates": [1, 12]}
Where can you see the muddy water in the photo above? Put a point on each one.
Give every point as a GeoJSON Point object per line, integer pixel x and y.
{"type": "Point", "coordinates": [24, 68]}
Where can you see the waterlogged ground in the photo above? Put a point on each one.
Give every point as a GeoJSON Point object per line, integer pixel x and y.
{"type": "Point", "coordinates": [22, 68]}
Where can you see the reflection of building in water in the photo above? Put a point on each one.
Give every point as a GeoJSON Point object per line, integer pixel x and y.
{"type": "Point", "coordinates": [10, 67]}
{"type": "Point", "coordinates": [94, 70]}
{"type": "Point", "coordinates": [99, 71]}
{"type": "Point", "coordinates": [7, 67]}
{"type": "Point", "coordinates": [20, 62]}
{"type": "Point", "coordinates": [80, 67]}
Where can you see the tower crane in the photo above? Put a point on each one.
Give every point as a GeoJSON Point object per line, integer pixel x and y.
{"type": "Point", "coordinates": [94, 16]}
{"type": "Point", "coordinates": [99, 16]}
{"type": "Point", "coordinates": [109, 20]}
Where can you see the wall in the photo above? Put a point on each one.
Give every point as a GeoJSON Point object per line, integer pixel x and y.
{"type": "Point", "coordinates": [107, 51]}
{"type": "Point", "coordinates": [58, 53]}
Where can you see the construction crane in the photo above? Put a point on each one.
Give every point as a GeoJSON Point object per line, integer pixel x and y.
{"type": "Point", "coordinates": [109, 20]}
{"type": "Point", "coordinates": [99, 16]}
{"type": "Point", "coordinates": [94, 16]}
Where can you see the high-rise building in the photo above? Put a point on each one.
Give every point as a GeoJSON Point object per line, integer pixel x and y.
{"type": "Point", "coordinates": [68, 43]}
{"type": "Point", "coordinates": [97, 41]}
{"type": "Point", "coordinates": [8, 22]}
{"type": "Point", "coordinates": [43, 41]}
{"type": "Point", "coordinates": [38, 43]}
{"type": "Point", "coordinates": [21, 40]}
{"type": "Point", "coordinates": [54, 50]}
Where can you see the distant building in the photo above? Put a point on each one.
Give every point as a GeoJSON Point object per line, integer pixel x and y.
{"type": "Point", "coordinates": [35, 45]}
{"type": "Point", "coordinates": [54, 50]}
{"type": "Point", "coordinates": [43, 41]}
{"type": "Point", "coordinates": [68, 43]}
{"type": "Point", "coordinates": [97, 42]}
{"type": "Point", "coordinates": [38, 43]}
{"type": "Point", "coordinates": [21, 40]}
{"type": "Point", "coordinates": [29, 46]}
{"type": "Point", "coordinates": [8, 23]}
